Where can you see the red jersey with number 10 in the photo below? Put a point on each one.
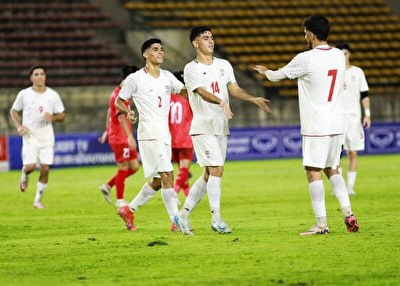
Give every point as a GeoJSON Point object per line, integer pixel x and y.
{"type": "Point", "coordinates": [180, 118]}
{"type": "Point", "coordinates": [116, 133]}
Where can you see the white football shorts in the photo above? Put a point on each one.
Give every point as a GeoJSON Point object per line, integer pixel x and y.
{"type": "Point", "coordinates": [210, 149]}
{"type": "Point", "coordinates": [354, 139]}
{"type": "Point", "coordinates": [156, 157]}
{"type": "Point", "coordinates": [31, 154]}
{"type": "Point", "coordinates": [322, 151]}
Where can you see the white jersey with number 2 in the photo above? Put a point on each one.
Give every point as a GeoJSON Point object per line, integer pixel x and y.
{"type": "Point", "coordinates": [320, 73]}
{"type": "Point", "coordinates": [152, 98]}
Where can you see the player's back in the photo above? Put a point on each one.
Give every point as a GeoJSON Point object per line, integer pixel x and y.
{"type": "Point", "coordinates": [180, 119]}
{"type": "Point", "coordinates": [320, 89]}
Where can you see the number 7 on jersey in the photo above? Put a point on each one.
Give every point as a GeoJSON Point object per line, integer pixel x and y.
{"type": "Point", "coordinates": [333, 74]}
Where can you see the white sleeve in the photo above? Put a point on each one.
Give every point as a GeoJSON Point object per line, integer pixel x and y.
{"type": "Point", "coordinates": [18, 104]}
{"type": "Point", "coordinates": [128, 88]}
{"type": "Point", "coordinates": [192, 78]}
{"type": "Point", "coordinates": [230, 77]}
{"type": "Point", "coordinates": [275, 75]}
{"type": "Point", "coordinates": [175, 83]}
{"type": "Point", "coordinates": [363, 82]}
{"type": "Point", "coordinates": [58, 104]}
{"type": "Point", "coordinates": [297, 67]}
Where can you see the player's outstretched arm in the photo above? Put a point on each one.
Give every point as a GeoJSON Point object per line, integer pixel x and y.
{"type": "Point", "coordinates": [270, 74]}
{"type": "Point", "coordinates": [240, 93]}
{"type": "Point", "coordinates": [260, 69]}
{"type": "Point", "coordinates": [209, 97]}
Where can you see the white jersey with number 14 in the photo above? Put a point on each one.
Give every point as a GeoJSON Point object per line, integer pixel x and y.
{"type": "Point", "coordinates": [208, 118]}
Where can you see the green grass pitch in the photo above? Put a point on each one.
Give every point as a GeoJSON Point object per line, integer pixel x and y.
{"type": "Point", "coordinates": [79, 240]}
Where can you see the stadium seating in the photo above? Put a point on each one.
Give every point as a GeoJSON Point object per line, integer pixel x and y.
{"type": "Point", "coordinates": [61, 35]}
{"type": "Point", "coordinates": [269, 32]}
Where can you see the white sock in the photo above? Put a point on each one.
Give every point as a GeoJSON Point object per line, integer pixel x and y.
{"type": "Point", "coordinates": [24, 176]}
{"type": "Point", "coordinates": [340, 191]}
{"type": "Point", "coordinates": [214, 196]}
{"type": "Point", "coordinates": [145, 194]}
{"type": "Point", "coordinates": [317, 195]}
{"type": "Point", "coordinates": [197, 192]}
{"type": "Point", "coordinates": [351, 179]}
{"type": "Point", "coordinates": [170, 199]}
{"type": "Point", "coordinates": [40, 187]}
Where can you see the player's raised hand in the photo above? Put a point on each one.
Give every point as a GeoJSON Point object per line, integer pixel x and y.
{"type": "Point", "coordinates": [262, 103]}
{"type": "Point", "coordinates": [226, 108]}
{"type": "Point", "coordinates": [260, 69]}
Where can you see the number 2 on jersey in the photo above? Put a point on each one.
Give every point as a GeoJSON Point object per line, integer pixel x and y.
{"type": "Point", "coordinates": [215, 87]}
{"type": "Point", "coordinates": [333, 74]}
{"type": "Point", "coordinates": [159, 101]}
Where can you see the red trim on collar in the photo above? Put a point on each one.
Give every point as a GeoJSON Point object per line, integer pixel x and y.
{"type": "Point", "coordinates": [324, 49]}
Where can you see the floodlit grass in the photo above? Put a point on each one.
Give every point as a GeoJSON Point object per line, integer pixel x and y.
{"type": "Point", "coordinates": [79, 240]}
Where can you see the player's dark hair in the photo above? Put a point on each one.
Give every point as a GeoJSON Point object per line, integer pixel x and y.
{"type": "Point", "coordinates": [179, 76]}
{"type": "Point", "coordinates": [147, 44]}
{"type": "Point", "coordinates": [343, 46]}
{"type": "Point", "coordinates": [34, 67]}
{"type": "Point", "coordinates": [128, 69]}
{"type": "Point", "coordinates": [318, 25]}
{"type": "Point", "coordinates": [196, 31]}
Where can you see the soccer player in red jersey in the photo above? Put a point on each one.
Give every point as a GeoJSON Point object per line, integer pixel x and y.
{"type": "Point", "coordinates": [180, 118]}
{"type": "Point", "coordinates": [121, 140]}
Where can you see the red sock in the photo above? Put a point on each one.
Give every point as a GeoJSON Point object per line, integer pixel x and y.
{"type": "Point", "coordinates": [111, 182]}
{"type": "Point", "coordinates": [182, 176]}
{"type": "Point", "coordinates": [120, 183]}
{"type": "Point", "coordinates": [186, 188]}
{"type": "Point", "coordinates": [131, 172]}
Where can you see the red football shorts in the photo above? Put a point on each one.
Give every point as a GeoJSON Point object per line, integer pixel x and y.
{"type": "Point", "coordinates": [123, 153]}
{"type": "Point", "coordinates": [181, 154]}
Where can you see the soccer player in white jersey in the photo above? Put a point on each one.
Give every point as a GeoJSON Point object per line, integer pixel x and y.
{"type": "Point", "coordinates": [40, 106]}
{"type": "Point", "coordinates": [151, 88]}
{"type": "Point", "coordinates": [355, 90]}
{"type": "Point", "coordinates": [320, 73]}
{"type": "Point", "coordinates": [209, 81]}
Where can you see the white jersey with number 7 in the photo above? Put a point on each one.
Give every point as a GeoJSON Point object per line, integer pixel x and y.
{"type": "Point", "coordinates": [320, 73]}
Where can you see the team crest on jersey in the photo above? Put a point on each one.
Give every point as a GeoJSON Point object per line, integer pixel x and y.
{"type": "Point", "coordinates": [222, 72]}
{"type": "Point", "coordinates": [167, 89]}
